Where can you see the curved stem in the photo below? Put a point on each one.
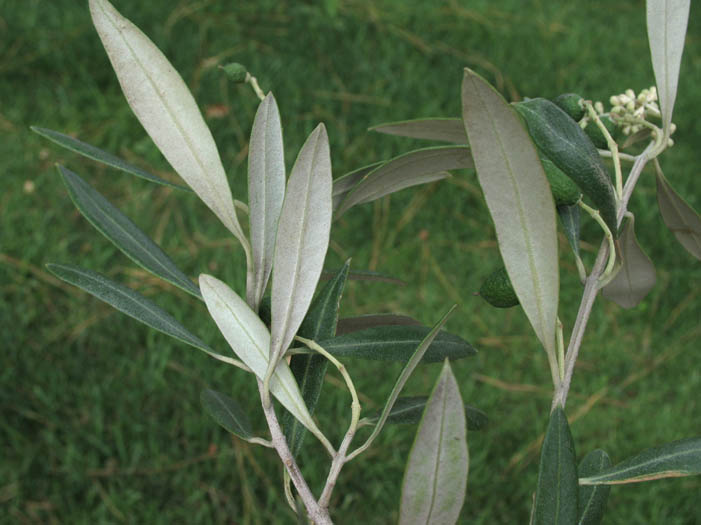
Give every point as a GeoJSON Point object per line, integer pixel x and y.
{"type": "Point", "coordinates": [253, 81]}
{"type": "Point", "coordinates": [288, 490]}
{"type": "Point", "coordinates": [609, 237]}
{"type": "Point", "coordinates": [340, 458]}
{"type": "Point", "coordinates": [355, 404]}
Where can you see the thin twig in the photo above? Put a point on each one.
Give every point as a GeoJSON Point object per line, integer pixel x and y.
{"type": "Point", "coordinates": [254, 84]}
{"type": "Point", "coordinates": [319, 515]}
{"type": "Point", "coordinates": [622, 156]}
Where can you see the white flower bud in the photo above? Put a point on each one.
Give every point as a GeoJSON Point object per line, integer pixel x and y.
{"type": "Point", "coordinates": [599, 107]}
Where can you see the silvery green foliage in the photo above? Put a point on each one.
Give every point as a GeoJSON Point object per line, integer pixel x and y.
{"type": "Point", "coordinates": [435, 479]}
{"type": "Point", "coordinates": [266, 191]}
{"type": "Point", "coordinates": [166, 109]}
{"type": "Point", "coordinates": [249, 338]}
{"type": "Point", "coordinates": [519, 201]}
{"type": "Point", "coordinates": [666, 29]}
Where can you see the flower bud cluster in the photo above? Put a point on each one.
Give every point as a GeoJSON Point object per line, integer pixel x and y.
{"type": "Point", "coordinates": [629, 108]}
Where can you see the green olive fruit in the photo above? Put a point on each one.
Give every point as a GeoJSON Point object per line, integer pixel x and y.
{"type": "Point", "coordinates": [498, 291]}
{"type": "Point", "coordinates": [564, 190]}
{"type": "Point", "coordinates": [571, 103]}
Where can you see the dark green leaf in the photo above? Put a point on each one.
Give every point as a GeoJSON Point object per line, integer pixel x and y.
{"type": "Point", "coordinates": [433, 489]}
{"type": "Point", "coordinates": [97, 154]}
{"type": "Point", "coordinates": [443, 129]}
{"type": "Point", "coordinates": [410, 169]}
{"type": "Point", "coordinates": [408, 410]}
{"type": "Point", "coordinates": [397, 343]}
{"type": "Point", "coordinates": [125, 235]}
{"type": "Point", "coordinates": [364, 275]}
{"type": "Point", "coordinates": [556, 495]}
{"type": "Point", "coordinates": [309, 370]}
{"type": "Point", "coordinates": [681, 219]}
{"type": "Point", "coordinates": [672, 460]}
{"type": "Point", "coordinates": [565, 143]}
{"type": "Point", "coordinates": [569, 217]}
{"type": "Point", "coordinates": [361, 322]}
{"type": "Point", "coordinates": [227, 413]}
{"type": "Point", "coordinates": [127, 301]}
{"type": "Point", "coordinates": [592, 499]}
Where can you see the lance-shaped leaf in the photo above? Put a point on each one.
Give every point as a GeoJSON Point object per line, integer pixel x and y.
{"type": "Point", "coordinates": [249, 338]}
{"type": "Point", "coordinates": [227, 412]}
{"type": "Point", "coordinates": [681, 219]}
{"type": "Point", "coordinates": [443, 129]}
{"type": "Point", "coordinates": [362, 322]}
{"type": "Point", "coordinates": [666, 29]}
{"type": "Point", "coordinates": [404, 375]}
{"type": "Point", "coordinates": [166, 109]}
{"type": "Point", "coordinates": [435, 479]}
{"type": "Point", "coordinates": [129, 302]}
{"type": "Point", "coordinates": [519, 201]}
{"type": "Point", "coordinates": [564, 142]}
{"type": "Point", "coordinates": [416, 167]}
{"type": "Point", "coordinates": [636, 276]}
{"type": "Point", "coordinates": [592, 499]}
{"type": "Point", "coordinates": [266, 190]}
{"type": "Point", "coordinates": [365, 275]}
{"type": "Point", "coordinates": [408, 411]}
{"type": "Point", "coordinates": [672, 460]}
{"type": "Point", "coordinates": [345, 183]}
{"type": "Point", "coordinates": [556, 493]}
{"type": "Point", "coordinates": [309, 370]}
{"type": "Point", "coordinates": [125, 235]}
{"type": "Point", "coordinates": [397, 343]}
{"type": "Point", "coordinates": [570, 220]}
{"type": "Point", "coordinates": [302, 240]}
{"type": "Point", "coordinates": [99, 155]}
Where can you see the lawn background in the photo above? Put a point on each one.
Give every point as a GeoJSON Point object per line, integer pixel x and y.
{"type": "Point", "coordinates": [100, 418]}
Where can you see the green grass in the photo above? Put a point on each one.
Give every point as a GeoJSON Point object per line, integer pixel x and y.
{"type": "Point", "coordinates": [100, 418]}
